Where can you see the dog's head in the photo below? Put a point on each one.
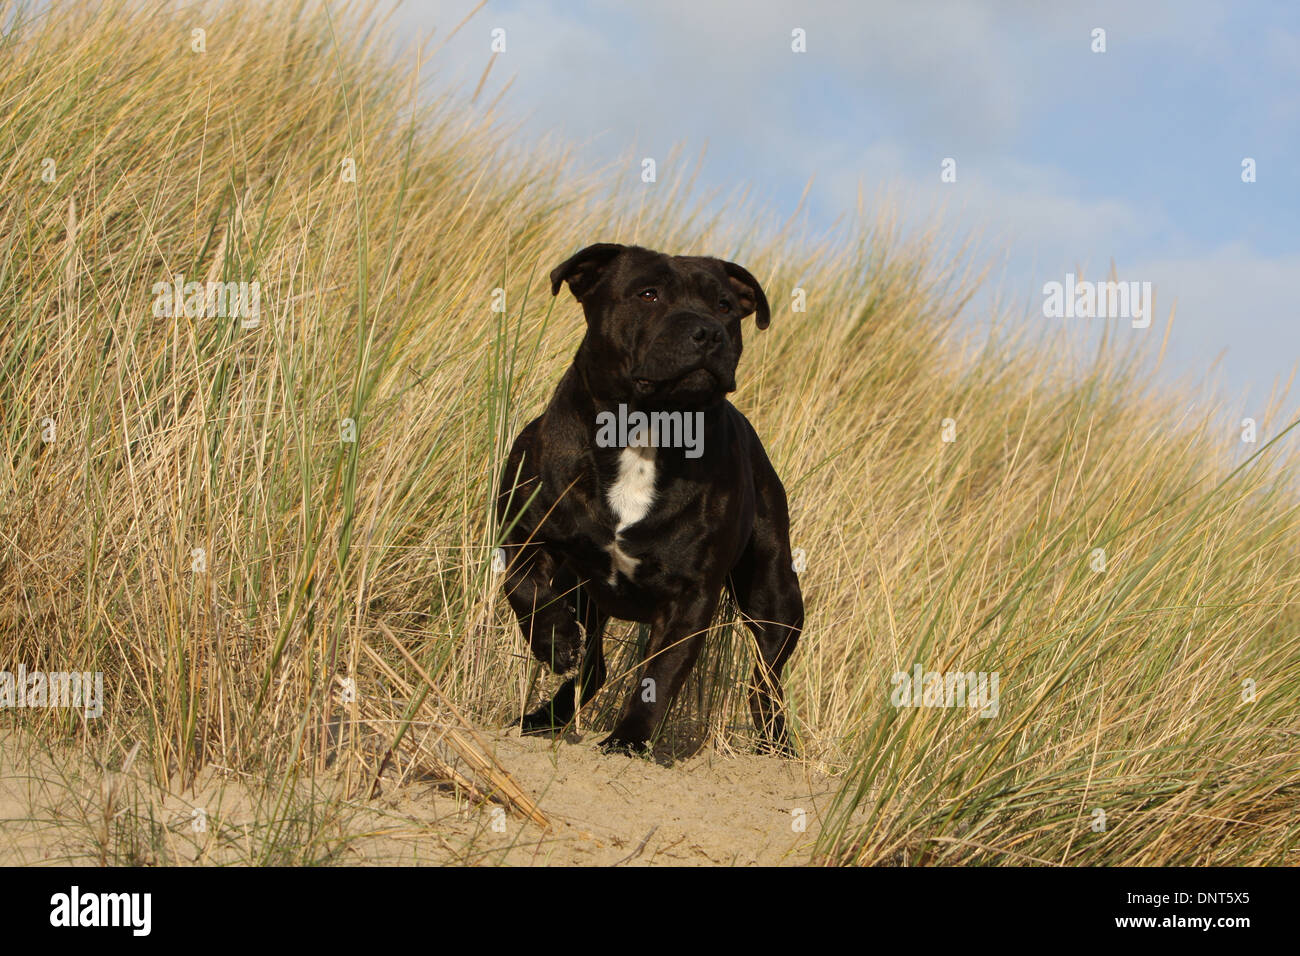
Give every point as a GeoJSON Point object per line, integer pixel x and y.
{"type": "Point", "coordinates": [661, 330]}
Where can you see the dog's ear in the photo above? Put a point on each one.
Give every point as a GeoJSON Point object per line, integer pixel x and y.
{"type": "Point", "coordinates": [750, 293]}
{"type": "Point", "coordinates": [583, 269]}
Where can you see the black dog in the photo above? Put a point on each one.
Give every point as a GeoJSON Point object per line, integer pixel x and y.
{"type": "Point", "coordinates": [647, 533]}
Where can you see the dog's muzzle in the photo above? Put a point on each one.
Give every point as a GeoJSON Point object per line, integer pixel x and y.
{"type": "Point", "coordinates": [691, 351]}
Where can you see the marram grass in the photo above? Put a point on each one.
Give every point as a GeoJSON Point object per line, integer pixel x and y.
{"type": "Point", "coordinates": [225, 520]}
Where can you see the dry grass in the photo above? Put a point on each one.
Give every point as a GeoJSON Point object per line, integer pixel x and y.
{"type": "Point", "coordinates": [1120, 690]}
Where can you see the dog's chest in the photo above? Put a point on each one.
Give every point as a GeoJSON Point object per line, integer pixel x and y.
{"type": "Point", "coordinates": [630, 498]}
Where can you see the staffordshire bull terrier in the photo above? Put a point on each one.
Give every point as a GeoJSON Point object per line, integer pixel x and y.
{"type": "Point", "coordinates": [648, 531]}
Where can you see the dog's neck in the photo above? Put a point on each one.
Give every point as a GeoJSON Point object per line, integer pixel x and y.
{"type": "Point", "coordinates": [574, 419]}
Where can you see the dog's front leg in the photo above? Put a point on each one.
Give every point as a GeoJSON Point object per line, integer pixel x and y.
{"type": "Point", "coordinates": [676, 636]}
{"type": "Point", "coordinates": [560, 709]}
{"type": "Point", "coordinates": [544, 599]}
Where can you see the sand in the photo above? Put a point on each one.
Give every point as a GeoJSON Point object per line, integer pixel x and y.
{"type": "Point", "coordinates": [57, 807]}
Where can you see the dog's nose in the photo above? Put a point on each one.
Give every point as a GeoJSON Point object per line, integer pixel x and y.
{"type": "Point", "coordinates": [707, 335]}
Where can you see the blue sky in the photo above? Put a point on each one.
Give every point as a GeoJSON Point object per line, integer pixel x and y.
{"type": "Point", "coordinates": [1065, 157]}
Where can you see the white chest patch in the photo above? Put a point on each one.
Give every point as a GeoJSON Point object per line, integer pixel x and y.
{"type": "Point", "coordinates": [630, 498]}
{"type": "Point", "coordinates": [634, 490]}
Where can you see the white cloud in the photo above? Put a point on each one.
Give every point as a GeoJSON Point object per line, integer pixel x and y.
{"type": "Point", "coordinates": [1236, 301]}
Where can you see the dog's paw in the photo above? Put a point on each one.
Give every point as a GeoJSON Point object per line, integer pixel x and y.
{"type": "Point", "coordinates": [613, 744]}
{"type": "Point", "coordinates": [534, 726]}
{"type": "Point", "coordinates": [561, 654]}
{"type": "Point", "coordinates": [777, 748]}
{"type": "Point", "coordinates": [543, 720]}
{"type": "Point", "coordinates": [558, 658]}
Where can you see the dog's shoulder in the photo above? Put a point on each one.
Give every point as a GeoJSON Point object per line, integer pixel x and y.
{"type": "Point", "coordinates": [519, 473]}
{"type": "Point", "coordinates": [523, 449]}
{"type": "Point", "coordinates": [750, 447]}
{"type": "Point", "coordinates": [744, 433]}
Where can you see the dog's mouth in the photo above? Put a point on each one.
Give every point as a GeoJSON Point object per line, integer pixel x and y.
{"type": "Point", "coordinates": [691, 381]}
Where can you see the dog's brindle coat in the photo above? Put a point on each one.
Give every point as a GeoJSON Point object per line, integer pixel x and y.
{"type": "Point", "coordinates": [648, 534]}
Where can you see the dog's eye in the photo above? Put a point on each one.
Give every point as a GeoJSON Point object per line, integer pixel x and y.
{"type": "Point", "coordinates": [649, 295]}
{"type": "Point", "coordinates": [724, 307]}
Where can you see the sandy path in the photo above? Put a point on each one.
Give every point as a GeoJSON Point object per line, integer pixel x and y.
{"type": "Point", "coordinates": [708, 810]}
